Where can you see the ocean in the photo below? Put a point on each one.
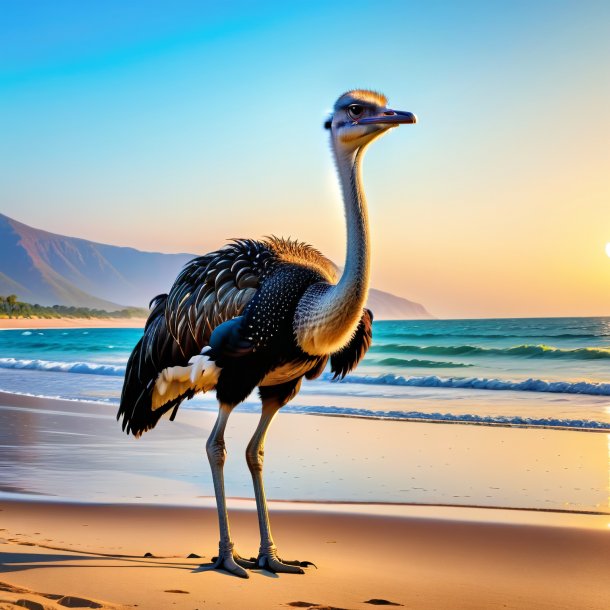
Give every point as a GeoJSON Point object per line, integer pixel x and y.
{"type": "Point", "coordinates": [519, 372]}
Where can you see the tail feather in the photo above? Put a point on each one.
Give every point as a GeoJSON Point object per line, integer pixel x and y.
{"type": "Point", "coordinates": [155, 351]}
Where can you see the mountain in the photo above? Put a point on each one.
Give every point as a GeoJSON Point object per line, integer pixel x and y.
{"type": "Point", "coordinates": [45, 268]}
{"type": "Point", "coordinates": [49, 269]}
{"type": "Point", "coordinates": [387, 306]}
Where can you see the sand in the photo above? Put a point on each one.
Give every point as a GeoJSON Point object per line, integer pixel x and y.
{"type": "Point", "coordinates": [42, 323]}
{"type": "Point", "coordinates": [97, 553]}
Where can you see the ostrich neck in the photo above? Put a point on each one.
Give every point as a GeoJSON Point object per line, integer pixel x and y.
{"type": "Point", "coordinates": [328, 316]}
{"type": "Point", "coordinates": [352, 288]}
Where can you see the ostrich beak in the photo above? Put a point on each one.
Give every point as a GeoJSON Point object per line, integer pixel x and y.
{"type": "Point", "coordinates": [388, 116]}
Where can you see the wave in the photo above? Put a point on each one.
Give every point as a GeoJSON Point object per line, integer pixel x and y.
{"type": "Point", "coordinates": [527, 351]}
{"type": "Point", "coordinates": [466, 418]}
{"type": "Point", "coordinates": [415, 363]}
{"type": "Point", "coordinates": [449, 334]}
{"type": "Point", "coordinates": [428, 381]}
{"type": "Point", "coordinates": [89, 368]}
{"type": "Point", "coordinates": [47, 346]}
{"type": "Point", "coordinates": [476, 383]}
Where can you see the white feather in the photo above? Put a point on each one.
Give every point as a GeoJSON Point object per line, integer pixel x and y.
{"type": "Point", "coordinates": [200, 375]}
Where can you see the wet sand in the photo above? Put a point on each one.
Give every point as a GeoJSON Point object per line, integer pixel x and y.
{"type": "Point", "coordinates": [75, 450]}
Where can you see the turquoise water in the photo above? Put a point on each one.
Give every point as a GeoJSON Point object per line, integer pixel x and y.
{"type": "Point", "coordinates": [539, 371]}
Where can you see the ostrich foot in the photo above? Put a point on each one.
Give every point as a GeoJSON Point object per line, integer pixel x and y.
{"type": "Point", "coordinates": [229, 561]}
{"type": "Point", "coordinates": [272, 563]}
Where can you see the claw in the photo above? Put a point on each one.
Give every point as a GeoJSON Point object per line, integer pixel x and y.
{"type": "Point", "coordinates": [296, 562]}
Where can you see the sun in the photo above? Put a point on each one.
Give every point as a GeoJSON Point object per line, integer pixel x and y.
{"type": "Point", "coordinates": [608, 249]}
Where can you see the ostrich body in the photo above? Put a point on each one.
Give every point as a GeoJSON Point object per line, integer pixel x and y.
{"type": "Point", "coordinates": [261, 314]}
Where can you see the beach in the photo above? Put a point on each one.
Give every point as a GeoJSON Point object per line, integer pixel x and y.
{"type": "Point", "coordinates": [432, 490]}
{"type": "Point", "coordinates": [81, 506]}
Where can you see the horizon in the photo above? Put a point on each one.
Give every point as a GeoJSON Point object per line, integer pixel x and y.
{"type": "Point", "coordinates": [166, 131]}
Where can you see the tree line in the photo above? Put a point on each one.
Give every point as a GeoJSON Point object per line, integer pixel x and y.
{"type": "Point", "coordinates": [11, 307]}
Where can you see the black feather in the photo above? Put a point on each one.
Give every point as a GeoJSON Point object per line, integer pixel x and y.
{"type": "Point", "coordinates": [345, 360]}
{"type": "Point", "coordinates": [152, 354]}
{"type": "Point", "coordinates": [229, 341]}
{"type": "Point", "coordinates": [179, 326]}
{"type": "Point", "coordinates": [317, 370]}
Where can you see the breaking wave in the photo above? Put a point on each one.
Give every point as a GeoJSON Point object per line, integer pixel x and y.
{"type": "Point", "coordinates": [526, 351]}
{"type": "Point", "coordinates": [62, 367]}
{"type": "Point", "coordinates": [427, 381]}
{"type": "Point", "coordinates": [453, 335]}
{"type": "Point", "coordinates": [415, 363]}
{"type": "Point", "coordinates": [466, 418]}
{"type": "Point", "coordinates": [477, 383]}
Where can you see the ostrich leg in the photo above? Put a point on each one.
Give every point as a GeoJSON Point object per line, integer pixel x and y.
{"type": "Point", "coordinates": [267, 555]}
{"type": "Point", "coordinates": [227, 558]}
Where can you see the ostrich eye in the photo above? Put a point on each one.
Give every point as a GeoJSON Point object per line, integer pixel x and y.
{"type": "Point", "coordinates": [355, 111]}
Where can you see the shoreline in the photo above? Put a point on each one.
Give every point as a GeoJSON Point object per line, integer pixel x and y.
{"type": "Point", "coordinates": [50, 323]}
{"type": "Point", "coordinates": [138, 554]}
{"type": "Point", "coordinates": [460, 422]}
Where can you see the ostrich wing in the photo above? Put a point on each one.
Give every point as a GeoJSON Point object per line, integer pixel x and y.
{"type": "Point", "coordinates": [210, 290]}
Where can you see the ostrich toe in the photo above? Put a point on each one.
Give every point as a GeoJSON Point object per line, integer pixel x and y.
{"type": "Point", "coordinates": [229, 562]}
{"type": "Point", "coordinates": [272, 563]}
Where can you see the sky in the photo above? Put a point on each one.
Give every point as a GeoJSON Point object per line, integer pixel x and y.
{"type": "Point", "coordinates": [173, 126]}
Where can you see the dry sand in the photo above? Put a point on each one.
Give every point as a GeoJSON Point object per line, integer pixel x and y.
{"type": "Point", "coordinates": [41, 323]}
{"type": "Point", "coordinates": [96, 553]}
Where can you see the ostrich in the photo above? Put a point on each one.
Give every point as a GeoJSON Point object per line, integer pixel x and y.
{"type": "Point", "coordinates": [261, 314]}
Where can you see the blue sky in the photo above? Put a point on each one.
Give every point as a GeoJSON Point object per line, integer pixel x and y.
{"type": "Point", "coordinates": [173, 126]}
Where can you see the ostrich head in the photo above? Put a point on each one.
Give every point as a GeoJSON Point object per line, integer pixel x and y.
{"type": "Point", "coordinates": [361, 116]}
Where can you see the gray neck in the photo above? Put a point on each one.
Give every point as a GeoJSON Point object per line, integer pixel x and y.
{"type": "Point", "coordinates": [354, 282]}
{"type": "Point", "coordinates": [327, 317]}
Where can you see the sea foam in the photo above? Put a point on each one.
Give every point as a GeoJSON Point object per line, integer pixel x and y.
{"type": "Point", "coordinates": [464, 418]}
{"type": "Point", "coordinates": [477, 383]}
{"type": "Point", "coordinates": [62, 367]}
